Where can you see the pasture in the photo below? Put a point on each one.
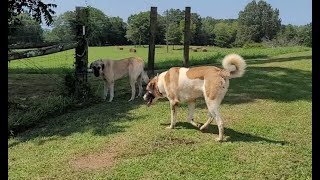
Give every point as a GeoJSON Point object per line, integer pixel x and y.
{"type": "Point", "coordinates": [267, 117]}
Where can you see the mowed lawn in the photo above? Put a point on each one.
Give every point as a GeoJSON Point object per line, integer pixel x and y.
{"type": "Point", "coordinates": [267, 117]}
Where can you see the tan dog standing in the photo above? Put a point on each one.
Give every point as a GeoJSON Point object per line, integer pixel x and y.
{"type": "Point", "coordinates": [181, 84]}
{"type": "Point", "coordinates": [112, 70]}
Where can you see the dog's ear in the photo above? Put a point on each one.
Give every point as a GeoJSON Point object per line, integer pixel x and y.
{"type": "Point", "coordinates": [90, 66]}
{"type": "Point", "coordinates": [102, 66]}
{"type": "Point", "coordinates": [152, 86]}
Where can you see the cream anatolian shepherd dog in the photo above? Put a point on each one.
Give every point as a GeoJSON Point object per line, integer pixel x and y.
{"type": "Point", "coordinates": [112, 70]}
{"type": "Point", "coordinates": [181, 84]}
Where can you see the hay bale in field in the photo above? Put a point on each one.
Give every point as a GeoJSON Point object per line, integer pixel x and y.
{"type": "Point", "coordinates": [195, 50]}
{"type": "Point", "coordinates": [133, 50]}
{"type": "Point", "coordinates": [120, 48]}
{"type": "Point", "coordinates": [204, 50]}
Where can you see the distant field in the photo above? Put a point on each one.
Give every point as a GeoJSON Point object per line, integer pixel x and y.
{"type": "Point", "coordinates": [63, 61]}
{"type": "Point", "coordinates": [267, 117]}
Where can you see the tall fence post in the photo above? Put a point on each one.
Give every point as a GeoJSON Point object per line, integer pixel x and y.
{"type": "Point", "coordinates": [153, 21]}
{"type": "Point", "coordinates": [186, 41]}
{"type": "Point", "coordinates": [81, 64]}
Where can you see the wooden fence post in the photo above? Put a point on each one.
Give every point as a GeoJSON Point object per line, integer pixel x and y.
{"type": "Point", "coordinates": [186, 41]}
{"type": "Point", "coordinates": [153, 21]}
{"type": "Point", "coordinates": [81, 64]}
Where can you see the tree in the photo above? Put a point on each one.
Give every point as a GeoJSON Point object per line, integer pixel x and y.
{"type": "Point", "coordinates": [225, 34]}
{"type": "Point", "coordinates": [305, 35]}
{"type": "Point", "coordinates": [173, 35]}
{"type": "Point", "coordinates": [257, 21]}
{"type": "Point", "coordinates": [63, 28]}
{"type": "Point", "coordinates": [36, 8]}
{"type": "Point", "coordinates": [192, 30]}
{"type": "Point", "coordinates": [98, 27]}
{"type": "Point", "coordinates": [197, 36]}
{"type": "Point", "coordinates": [208, 24]}
{"type": "Point", "coordinates": [138, 28]}
{"type": "Point", "coordinates": [117, 31]}
{"type": "Point", "coordinates": [29, 31]}
{"type": "Point", "coordinates": [101, 29]}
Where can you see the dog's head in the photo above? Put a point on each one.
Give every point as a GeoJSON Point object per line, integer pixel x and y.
{"type": "Point", "coordinates": [97, 67]}
{"type": "Point", "coordinates": [152, 94]}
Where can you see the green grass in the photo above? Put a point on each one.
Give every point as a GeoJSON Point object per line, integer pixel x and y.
{"type": "Point", "coordinates": [63, 61]}
{"type": "Point", "coordinates": [267, 117]}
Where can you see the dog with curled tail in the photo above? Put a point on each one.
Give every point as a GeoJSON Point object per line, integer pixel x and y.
{"type": "Point", "coordinates": [180, 84]}
{"type": "Point", "coordinates": [112, 70]}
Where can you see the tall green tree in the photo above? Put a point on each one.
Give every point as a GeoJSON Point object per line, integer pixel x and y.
{"type": "Point", "coordinates": [305, 35]}
{"type": "Point", "coordinates": [208, 24]}
{"type": "Point", "coordinates": [197, 37]}
{"type": "Point", "coordinates": [258, 21]}
{"type": "Point", "coordinates": [37, 9]}
{"type": "Point", "coordinates": [138, 28]}
{"type": "Point", "coordinates": [101, 29]}
{"type": "Point", "coordinates": [225, 34]}
{"type": "Point", "coordinates": [98, 28]}
{"type": "Point", "coordinates": [173, 34]}
{"type": "Point", "coordinates": [29, 31]}
{"type": "Point", "coordinates": [63, 28]}
{"type": "Point", "coordinates": [117, 33]}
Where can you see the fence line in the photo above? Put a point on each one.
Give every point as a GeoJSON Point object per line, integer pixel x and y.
{"type": "Point", "coordinates": [41, 51]}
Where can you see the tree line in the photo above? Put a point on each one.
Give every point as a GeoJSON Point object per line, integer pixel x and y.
{"type": "Point", "coordinates": [257, 23]}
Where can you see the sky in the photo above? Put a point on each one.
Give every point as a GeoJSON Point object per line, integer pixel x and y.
{"type": "Point", "coordinates": [296, 12]}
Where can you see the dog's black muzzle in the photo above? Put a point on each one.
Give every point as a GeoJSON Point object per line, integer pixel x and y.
{"type": "Point", "coordinates": [149, 97]}
{"type": "Point", "coordinates": [96, 72]}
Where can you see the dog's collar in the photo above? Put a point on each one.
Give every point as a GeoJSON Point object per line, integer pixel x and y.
{"type": "Point", "coordinates": [159, 92]}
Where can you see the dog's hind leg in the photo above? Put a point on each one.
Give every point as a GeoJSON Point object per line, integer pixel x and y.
{"type": "Point", "coordinates": [139, 81]}
{"type": "Point", "coordinates": [205, 125]}
{"type": "Point", "coordinates": [191, 108]}
{"type": "Point", "coordinates": [133, 88]}
{"type": "Point", "coordinates": [213, 109]}
{"type": "Point", "coordinates": [111, 87]}
{"type": "Point", "coordinates": [105, 90]}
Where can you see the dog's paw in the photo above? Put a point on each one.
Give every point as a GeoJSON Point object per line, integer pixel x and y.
{"type": "Point", "coordinates": [170, 127]}
{"type": "Point", "coordinates": [130, 100]}
{"type": "Point", "coordinates": [218, 139]}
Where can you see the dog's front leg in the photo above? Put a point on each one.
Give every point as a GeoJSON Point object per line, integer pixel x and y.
{"type": "Point", "coordinates": [105, 92]}
{"type": "Point", "coordinates": [111, 87]}
{"type": "Point", "coordinates": [174, 108]}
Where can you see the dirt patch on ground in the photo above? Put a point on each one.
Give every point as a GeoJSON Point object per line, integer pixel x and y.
{"type": "Point", "coordinates": [95, 161]}
{"type": "Point", "coordinates": [121, 147]}
{"type": "Point", "coordinates": [162, 142]}
{"type": "Point", "coordinates": [103, 159]}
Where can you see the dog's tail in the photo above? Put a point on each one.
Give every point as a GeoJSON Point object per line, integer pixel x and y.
{"type": "Point", "coordinates": [235, 64]}
{"type": "Point", "coordinates": [145, 76]}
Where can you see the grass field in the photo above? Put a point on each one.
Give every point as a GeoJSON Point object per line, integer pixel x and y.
{"type": "Point", "coordinates": [267, 117]}
{"type": "Point", "coordinates": [63, 61]}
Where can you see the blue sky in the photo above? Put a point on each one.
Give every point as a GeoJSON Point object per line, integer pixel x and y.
{"type": "Point", "coordinates": [296, 12]}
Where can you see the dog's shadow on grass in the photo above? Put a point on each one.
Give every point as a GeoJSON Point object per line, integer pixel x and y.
{"type": "Point", "coordinates": [100, 119]}
{"type": "Point", "coordinates": [233, 136]}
